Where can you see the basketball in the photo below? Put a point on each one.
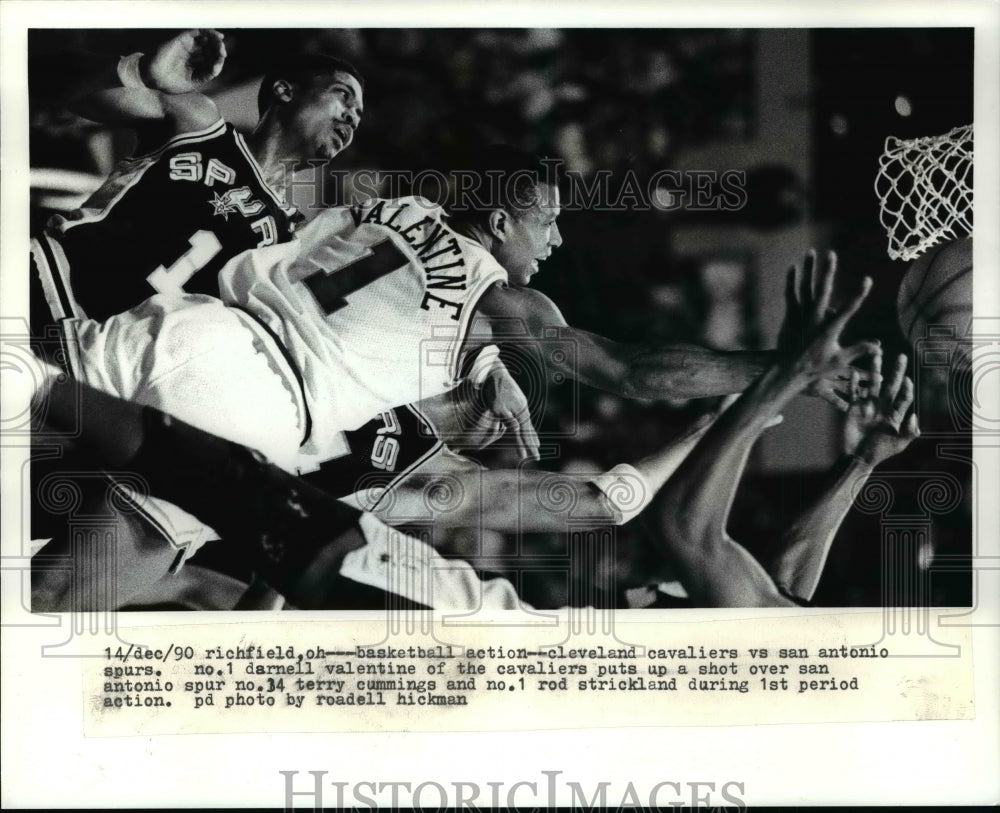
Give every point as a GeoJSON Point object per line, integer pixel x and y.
{"type": "Point", "coordinates": [937, 292]}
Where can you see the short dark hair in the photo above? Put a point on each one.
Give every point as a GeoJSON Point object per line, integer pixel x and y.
{"type": "Point", "coordinates": [302, 69]}
{"type": "Point", "coordinates": [500, 177]}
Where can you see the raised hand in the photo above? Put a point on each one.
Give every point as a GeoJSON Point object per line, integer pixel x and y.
{"type": "Point", "coordinates": [811, 330]}
{"type": "Point", "coordinates": [185, 63]}
{"type": "Point", "coordinates": [874, 429]}
{"type": "Point", "coordinates": [807, 299]}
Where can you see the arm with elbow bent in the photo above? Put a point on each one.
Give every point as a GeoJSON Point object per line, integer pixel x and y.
{"type": "Point", "coordinates": [159, 91]}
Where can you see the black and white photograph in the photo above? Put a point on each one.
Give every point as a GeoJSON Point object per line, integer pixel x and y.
{"type": "Point", "coordinates": [503, 320]}
{"type": "Point", "coordinates": [593, 258]}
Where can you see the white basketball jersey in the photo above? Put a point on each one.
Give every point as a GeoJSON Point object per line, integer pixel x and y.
{"type": "Point", "coordinates": [373, 303]}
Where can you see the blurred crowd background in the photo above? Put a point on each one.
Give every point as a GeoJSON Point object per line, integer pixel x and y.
{"type": "Point", "coordinates": [803, 113]}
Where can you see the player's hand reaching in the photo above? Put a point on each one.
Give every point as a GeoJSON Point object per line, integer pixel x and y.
{"type": "Point", "coordinates": [811, 331]}
{"type": "Point", "coordinates": [185, 63]}
{"type": "Point", "coordinates": [821, 356]}
{"type": "Point", "coordinates": [506, 403]}
{"type": "Point", "coordinates": [875, 429]}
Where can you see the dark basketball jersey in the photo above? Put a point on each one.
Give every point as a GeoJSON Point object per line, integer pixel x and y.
{"type": "Point", "coordinates": [382, 451]}
{"type": "Point", "coordinates": [162, 222]}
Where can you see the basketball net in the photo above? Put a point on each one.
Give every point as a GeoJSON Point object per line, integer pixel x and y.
{"type": "Point", "coordinates": [924, 188]}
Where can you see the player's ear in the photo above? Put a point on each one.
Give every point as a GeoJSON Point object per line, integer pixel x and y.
{"type": "Point", "coordinates": [282, 90]}
{"type": "Point", "coordinates": [498, 224]}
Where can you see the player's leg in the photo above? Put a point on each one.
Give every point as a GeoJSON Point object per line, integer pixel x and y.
{"type": "Point", "coordinates": [202, 362]}
{"type": "Point", "coordinates": [76, 572]}
{"type": "Point", "coordinates": [126, 540]}
{"type": "Point", "coordinates": [278, 522]}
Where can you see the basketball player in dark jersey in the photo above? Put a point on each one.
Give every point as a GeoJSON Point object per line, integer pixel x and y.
{"type": "Point", "coordinates": [197, 192]}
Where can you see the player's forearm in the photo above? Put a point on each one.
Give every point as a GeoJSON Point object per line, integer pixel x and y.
{"type": "Point", "coordinates": [799, 563]}
{"type": "Point", "coordinates": [688, 371]}
{"type": "Point", "coordinates": [702, 488]}
{"type": "Point", "coordinates": [658, 467]}
{"type": "Point", "coordinates": [531, 501]}
{"type": "Point", "coordinates": [113, 427]}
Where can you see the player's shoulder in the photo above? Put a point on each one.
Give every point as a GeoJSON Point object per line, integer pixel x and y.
{"type": "Point", "coordinates": [200, 134]}
{"type": "Point", "coordinates": [377, 210]}
{"type": "Point", "coordinates": [422, 204]}
{"type": "Point", "coordinates": [508, 301]}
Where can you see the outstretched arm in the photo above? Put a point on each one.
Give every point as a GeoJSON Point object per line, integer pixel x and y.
{"type": "Point", "coordinates": [161, 89]}
{"type": "Point", "coordinates": [454, 492]}
{"type": "Point", "coordinates": [632, 370]}
{"type": "Point", "coordinates": [694, 505]}
{"type": "Point", "coordinates": [874, 431]}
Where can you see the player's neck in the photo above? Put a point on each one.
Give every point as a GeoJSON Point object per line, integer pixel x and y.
{"type": "Point", "coordinates": [474, 232]}
{"type": "Point", "coordinates": [276, 165]}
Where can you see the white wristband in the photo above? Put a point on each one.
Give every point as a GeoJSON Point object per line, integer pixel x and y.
{"type": "Point", "coordinates": [128, 71]}
{"type": "Point", "coordinates": [626, 489]}
{"type": "Point", "coordinates": [486, 362]}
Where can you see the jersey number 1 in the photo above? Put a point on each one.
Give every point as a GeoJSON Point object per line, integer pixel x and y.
{"type": "Point", "coordinates": [204, 245]}
{"type": "Point", "coordinates": [331, 288]}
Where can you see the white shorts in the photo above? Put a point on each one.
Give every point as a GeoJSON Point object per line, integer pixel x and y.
{"type": "Point", "coordinates": [404, 565]}
{"type": "Point", "coordinates": [391, 561]}
{"type": "Point", "coordinates": [207, 364]}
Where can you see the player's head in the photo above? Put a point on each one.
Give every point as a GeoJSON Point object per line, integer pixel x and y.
{"type": "Point", "coordinates": [316, 101]}
{"type": "Point", "coordinates": [510, 198]}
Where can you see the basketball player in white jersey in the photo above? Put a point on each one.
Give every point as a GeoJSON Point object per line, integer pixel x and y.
{"type": "Point", "coordinates": [421, 480]}
{"type": "Point", "coordinates": [195, 194]}
{"type": "Point", "coordinates": [356, 315]}
{"type": "Point", "coordinates": [694, 504]}
{"type": "Point", "coordinates": [370, 308]}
